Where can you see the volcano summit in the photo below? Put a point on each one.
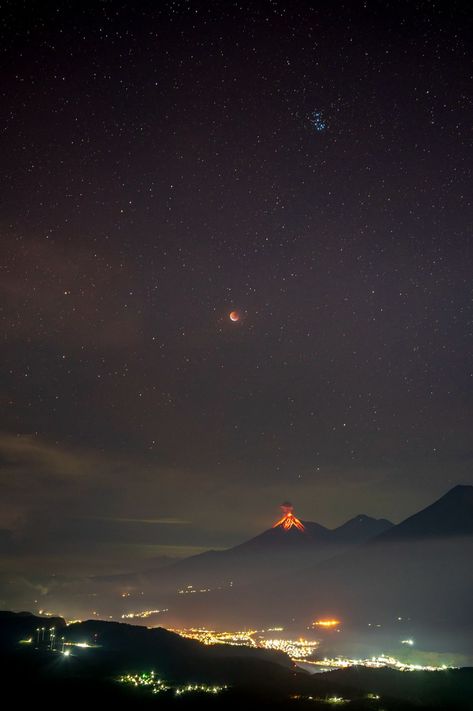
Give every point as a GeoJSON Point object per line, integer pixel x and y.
{"type": "Point", "coordinates": [289, 520]}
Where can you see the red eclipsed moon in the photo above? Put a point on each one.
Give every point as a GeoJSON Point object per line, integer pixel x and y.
{"type": "Point", "coordinates": [234, 316]}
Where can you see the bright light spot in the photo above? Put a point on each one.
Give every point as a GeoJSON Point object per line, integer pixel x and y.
{"type": "Point", "coordinates": [327, 623]}
{"type": "Point", "coordinates": [336, 700]}
{"type": "Point", "coordinates": [318, 122]}
{"type": "Point", "coordinates": [157, 686]}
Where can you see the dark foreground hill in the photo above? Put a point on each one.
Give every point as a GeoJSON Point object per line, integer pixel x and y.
{"type": "Point", "coordinates": [88, 676]}
{"type": "Point", "coordinates": [133, 648]}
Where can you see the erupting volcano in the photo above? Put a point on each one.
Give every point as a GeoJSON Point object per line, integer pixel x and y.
{"type": "Point", "coordinates": [288, 520]}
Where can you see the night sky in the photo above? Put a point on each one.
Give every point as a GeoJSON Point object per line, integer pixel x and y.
{"type": "Point", "coordinates": [307, 164]}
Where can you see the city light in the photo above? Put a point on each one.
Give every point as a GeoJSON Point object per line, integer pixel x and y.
{"type": "Point", "coordinates": [82, 645]}
{"type": "Point", "coordinates": [379, 662]}
{"type": "Point", "coordinates": [198, 687]}
{"type": "Point", "coordinates": [142, 615]}
{"type": "Point", "coordinates": [336, 700]}
{"type": "Point", "coordinates": [239, 638]}
{"type": "Point", "coordinates": [297, 649]}
{"type": "Point", "coordinates": [147, 679]}
{"type": "Point", "coordinates": [156, 685]}
{"type": "Point", "coordinates": [327, 624]}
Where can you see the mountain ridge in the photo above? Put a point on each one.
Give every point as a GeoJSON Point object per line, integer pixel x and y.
{"type": "Point", "coordinates": [450, 515]}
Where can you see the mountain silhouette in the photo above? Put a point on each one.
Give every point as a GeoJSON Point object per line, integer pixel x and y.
{"type": "Point", "coordinates": [361, 528]}
{"type": "Point", "coordinates": [451, 515]}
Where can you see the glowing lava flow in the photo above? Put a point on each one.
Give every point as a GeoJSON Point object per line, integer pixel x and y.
{"type": "Point", "coordinates": [289, 520]}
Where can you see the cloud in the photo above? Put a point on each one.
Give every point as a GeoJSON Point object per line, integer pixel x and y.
{"type": "Point", "coordinates": [26, 450]}
{"type": "Point", "coordinates": [63, 504]}
{"type": "Point", "coordinates": [38, 476]}
{"type": "Point", "coordinates": [161, 521]}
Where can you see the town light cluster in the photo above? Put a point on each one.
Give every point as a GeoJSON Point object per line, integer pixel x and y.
{"type": "Point", "coordinates": [379, 662]}
{"type": "Point", "coordinates": [156, 685]}
{"type": "Point", "coordinates": [297, 649]}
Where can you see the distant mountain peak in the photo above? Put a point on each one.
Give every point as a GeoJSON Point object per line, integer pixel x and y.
{"type": "Point", "coordinates": [360, 528]}
{"type": "Point", "coordinates": [451, 515]}
{"type": "Point", "coordinates": [359, 518]}
{"type": "Point", "coordinates": [460, 490]}
{"type": "Point", "coordinates": [363, 519]}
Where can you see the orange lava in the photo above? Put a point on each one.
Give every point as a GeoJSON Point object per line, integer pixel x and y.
{"type": "Point", "coordinates": [288, 521]}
